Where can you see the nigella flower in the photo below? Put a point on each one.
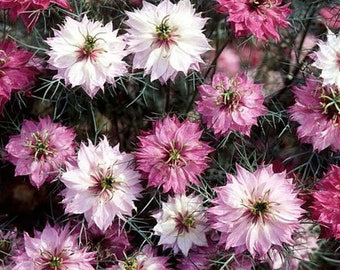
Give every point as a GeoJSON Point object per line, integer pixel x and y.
{"type": "Point", "coordinates": [9, 244]}
{"type": "Point", "coordinates": [182, 223]}
{"type": "Point", "coordinates": [102, 185]}
{"type": "Point", "coordinates": [146, 259]}
{"type": "Point", "coordinates": [53, 248]}
{"type": "Point", "coordinates": [256, 211]}
{"type": "Point", "coordinates": [17, 70]}
{"type": "Point", "coordinates": [317, 110]}
{"type": "Point", "coordinates": [86, 53]}
{"type": "Point", "coordinates": [41, 150]}
{"type": "Point", "coordinates": [231, 104]}
{"type": "Point", "coordinates": [328, 59]}
{"type": "Point", "coordinates": [171, 155]}
{"type": "Point", "coordinates": [325, 208]}
{"type": "Point", "coordinates": [166, 39]}
{"type": "Point", "coordinates": [29, 10]}
{"type": "Point", "coordinates": [262, 18]}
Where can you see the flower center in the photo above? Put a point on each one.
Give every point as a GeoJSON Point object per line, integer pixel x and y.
{"type": "Point", "coordinates": [163, 31]}
{"type": "Point", "coordinates": [89, 44]}
{"type": "Point", "coordinates": [5, 248]}
{"type": "Point", "coordinates": [55, 262]}
{"type": "Point", "coordinates": [254, 4]}
{"type": "Point", "coordinates": [40, 145]}
{"type": "Point", "coordinates": [131, 264]}
{"type": "Point", "coordinates": [259, 208]}
{"type": "Point", "coordinates": [229, 97]}
{"type": "Point", "coordinates": [330, 104]}
{"type": "Point", "coordinates": [185, 223]}
{"type": "Point", "coordinates": [174, 157]}
{"type": "Point", "coordinates": [107, 182]}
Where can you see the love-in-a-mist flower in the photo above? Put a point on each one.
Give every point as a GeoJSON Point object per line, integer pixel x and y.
{"type": "Point", "coordinates": [328, 59]}
{"type": "Point", "coordinates": [182, 223]}
{"type": "Point", "coordinates": [256, 210]}
{"type": "Point", "coordinates": [166, 39]}
{"type": "Point", "coordinates": [145, 259]}
{"type": "Point", "coordinates": [41, 149]}
{"type": "Point", "coordinates": [102, 185]}
{"type": "Point", "coordinates": [317, 110]}
{"type": "Point", "coordinates": [87, 53]}
{"type": "Point", "coordinates": [325, 208]}
{"type": "Point", "coordinates": [54, 248]}
{"type": "Point", "coordinates": [172, 155]}
{"type": "Point", "coordinates": [262, 18]}
{"type": "Point", "coordinates": [29, 10]}
{"type": "Point", "coordinates": [231, 104]}
{"type": "Point", "coordinates": [17, 70]}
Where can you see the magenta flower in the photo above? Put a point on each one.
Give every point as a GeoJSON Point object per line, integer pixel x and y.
{"type": "Point", "coordinates": [251, 212]}
{"type": "Point", "coordinates": [182, 223]}
{"type": "Point", "coordinates": [102, 185]}
{"type": "Point", "coordinates": [317, 110]}
{"type": "Point", "coordinates": [41, 150]}
{"type": "Point", "coordinates": [231, 104]}
{"type": "Point", "coordinates": [166, 39]}
{"type": "Point", "coordinates": [325, 208]}
{"type": "Point", "coordinates": [262, 18]}
{"type": "Point", "coordinates": [53, 248]}
{"type": "Point", "coordinates": [171, 155]}
{"type": "Point", "coordinates": [29, 10]}
{"type": "Point", "coordinates": [17, 71]}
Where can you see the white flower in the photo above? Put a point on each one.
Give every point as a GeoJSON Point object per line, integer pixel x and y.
{"type": "Point", "coordinates": [328, 59]}
{"type": "Point", "coordinates": [181, 223]}
{"type": "Point", "coordinates": [166, 39]}
{"type": "Point", "coordinates": [87, 53]}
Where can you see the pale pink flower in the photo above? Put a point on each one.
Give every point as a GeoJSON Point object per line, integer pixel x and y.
{"type": "Point", "coordinates": [171, 155]}
{"type": "Point", "coordinates": [262, 18]}
{"type": "Point", "coordinates": [17, 71]}
{"type": "Point", "coordinates": [231, 104]}
{"type": "Point", "coordinates": [182, 223]}
{"type": "Point", "coordinates": [53, 248]}
{"type": "Point", "coordinates": [10, 243]}
{"type": "Point", "coordinates": [41, 150]}
{"type": "Point", "coordinates": [146, 259]}
{"type": "Point", "coordinates": [251, 212]}
{"type": "Point", "coordinates": [327, 58]}
{"type": "Point", "coordinates": [29, 10]}
{"type": "Point", "coordinates": [102, 185]}
{"type": "Point", "coordinates": [166, 39]}
{"type": "Point", "coordinates": [317, 110]}
{"type": "Point", "coordinates": [325, 208]}
{"type": "Point", "coordinates": [87, 53]}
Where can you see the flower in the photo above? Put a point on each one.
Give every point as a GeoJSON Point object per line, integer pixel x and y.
{"type": "Point", "coordinates": [317, 111]}
{"type": "Point", "coordinates": [17, 71]}
{"type": "Point", "coordinates": [330, 16]}
{"type": "Point", "coordinates": [171, 154]}
{"type": "Point", "coordinates": [231, 104]}
{"type": "Point", "coordinates": [9, 244]}
{"type": "Point", "coordinates": [182, 223]}
{"type": "Point", "coordinates": [41, 149]}
{"type": "Point", "coordinates": [328, 59]}
{"type": "Point", "coordinates": [102, 185]}
{"type": "Point", "coordinates": [146, 259]}
{"type": "Point", "coordinates": [166, 39]}
{"type": "Point", "coordinates": [29, 10]}
{"type": "Point", "coordinates": [261, 18]}
{"type": "Point", "coordinates": [251, 213]}
{"type": "Point", "coordinates": [87, 53]}
{"type": "Point", "coordinates": [325, 208]}
{"type": "Point", "coordinates": [53, 248]}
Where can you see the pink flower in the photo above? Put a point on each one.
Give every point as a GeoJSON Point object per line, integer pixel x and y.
{"type": "Point", "coordinates": [102, 185]}
{"type": "Point", "coordinates": [325, 207]}
{"type": "Point", "coordinates": [261, 18]}
{"type": "Point", "coordinates": [146, 259]}
{"type": "Point", "coordinates": [182, 223]}
{"type": "Point", "coordinates": [17, 72]}
{"type": "Point", "coordinates": [87, 53]}
{"type": "Point", "coordinates": [166, 39]}
{"type": "Point", "coordinates": [330, 16]}
{"type": "Point", "coordinates": [328, 59]}
{"type": "Point", "coordinates": [231, 104]}
{"type": "Point", "coordinates": [251, 212]}
{"type": "Point", "coordinates": [317, 111]}
{"type": "Point", "coordinates": [171, 155]}
{"type": "Point", "coordinates": [41, 150]}
{"type": "Point", "coordinates": [29, 10]}
{"type": "Point", "coordinates": [53, 248]}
